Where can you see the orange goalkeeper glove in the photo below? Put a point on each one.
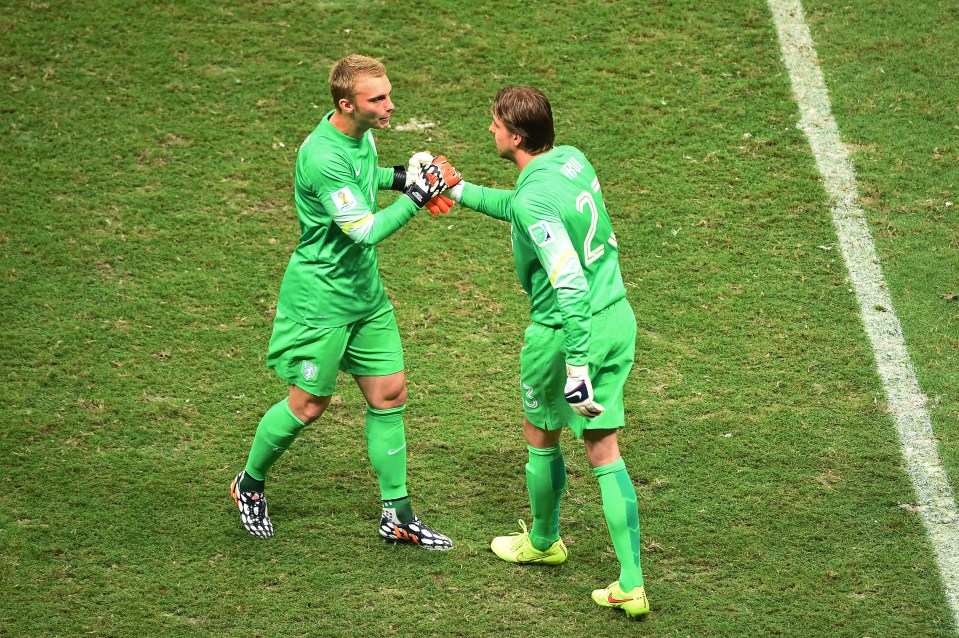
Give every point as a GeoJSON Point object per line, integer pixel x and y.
{"type": "Point", "coordinates": [440, 204]}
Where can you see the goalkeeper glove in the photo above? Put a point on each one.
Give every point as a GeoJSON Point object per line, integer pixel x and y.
{"type": "Point", "coordinates": [403, 177]}
{"type": "Point", "coordinates": [443, 203]}
{"type": "Point", "coordinates": [579, 392]}
{"type": "Point", "coordinates": [432, 180]}
{"type": "Point", "coordinates": [440, 204]}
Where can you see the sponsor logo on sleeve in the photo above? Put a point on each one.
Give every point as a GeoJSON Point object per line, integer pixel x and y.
{"type": "Point", "coordinates": [343, 199]}
{"type": "Point", "coordinates": [540, 233]}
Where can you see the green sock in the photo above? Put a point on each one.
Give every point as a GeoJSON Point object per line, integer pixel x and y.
{"type": "Point", "coordinates": [545, 481]}
{"type": "Point", "coordinates": [275, 433]}
{"type": "Point", "coordinates": [386, 446]}
{"type": "Point", "coordinates": [622, 518]}
{"type": "Point", "coordinates": [250, 484]}
{"type": "Point", "coordinates": [400, 509]}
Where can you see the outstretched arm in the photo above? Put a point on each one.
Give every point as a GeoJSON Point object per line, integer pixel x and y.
{"type": "Point", "coordinates": [494, 202]}
{"type": "Point", "coordinates": [369, 228]}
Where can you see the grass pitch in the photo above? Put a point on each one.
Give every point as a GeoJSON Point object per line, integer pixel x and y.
{"type": "Point", "coordinates": [147, 158]}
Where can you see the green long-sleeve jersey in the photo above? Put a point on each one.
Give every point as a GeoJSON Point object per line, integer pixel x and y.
{"type": "Point", "coordinates": [564, 248]}
{"type": "Point", "coordinates": [333, 277]}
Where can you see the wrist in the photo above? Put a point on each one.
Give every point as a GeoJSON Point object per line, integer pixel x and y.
{"type": "Point", "coordinates": [417, 196]}
{"type": "Point", "coordinates": [399, 179]}
{"type": "Point", "coordinates": [577, 371]}
{"type": "Point", "coordinates": [455, 193]}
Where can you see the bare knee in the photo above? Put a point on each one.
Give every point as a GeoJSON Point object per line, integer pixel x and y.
{"type": "Point", "coordinates": [393, 398]}
{"type": "Point", "coordinates": [311, 411]}
{"type": "Point", "coordinates": [383, 393]}
{"type": "Point", "coordinates": [602, 447]}
{"type": "Point", "coordinates": [305, 406]}
{"type": "Point", "coordinates": [538, 437]}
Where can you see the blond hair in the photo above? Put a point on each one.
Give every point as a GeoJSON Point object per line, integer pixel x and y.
{"type": "Point", "coordinates": [346, 72]}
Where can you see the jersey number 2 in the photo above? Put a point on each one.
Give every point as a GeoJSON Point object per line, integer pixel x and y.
{"type": "Point", "coordinates": [590, 253]}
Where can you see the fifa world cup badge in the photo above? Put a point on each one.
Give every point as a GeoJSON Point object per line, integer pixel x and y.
{"type": "Point", "coordinates": [343, 199]}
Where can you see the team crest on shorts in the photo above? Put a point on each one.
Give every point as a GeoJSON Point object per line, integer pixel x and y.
{"type": "Point", "coordinates": [308, 370]}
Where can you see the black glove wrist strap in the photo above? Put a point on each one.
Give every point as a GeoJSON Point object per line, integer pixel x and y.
{"type": "Point", "coordinates": [399, 178]}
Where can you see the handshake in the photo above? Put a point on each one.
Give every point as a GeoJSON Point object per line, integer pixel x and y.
{"type": "Point", "coordinates": [426, 179]}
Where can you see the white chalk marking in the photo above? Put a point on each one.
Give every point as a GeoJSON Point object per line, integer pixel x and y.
{"type": "Point", "coordinates": [936, 504]}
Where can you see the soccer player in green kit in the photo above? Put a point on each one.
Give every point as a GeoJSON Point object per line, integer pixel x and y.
{"type": "Point", "coordinates": [332, 313]}
{"type": "Point", "coordinates": [579, 349]}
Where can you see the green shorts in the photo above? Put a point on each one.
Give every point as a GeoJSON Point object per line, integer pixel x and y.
{"type": "Point", "coordinates": [543, 371]}
{"type": "Point", "coordinates": [310, 357]}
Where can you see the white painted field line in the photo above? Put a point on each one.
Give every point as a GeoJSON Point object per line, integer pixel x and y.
{"type": "Point", "coordinates": [907, 403]}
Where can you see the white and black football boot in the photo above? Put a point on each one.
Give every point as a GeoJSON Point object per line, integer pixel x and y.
{"type": "Point", "coordinates": [414, 533]}
{"type": "Point", "coordinates": [253, 511]}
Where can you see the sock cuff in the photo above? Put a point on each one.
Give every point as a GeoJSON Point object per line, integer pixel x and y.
{"type": "Point", "coordinates": [553, 451]}
{"type": "Point", "coordinates": [387, 412]}
{"type": "Point", "coordinates": [247, 471]}
{"type": "Point", "coordinates": [615, 466]}
{"type": "Point", "coordinates": [289, 410]}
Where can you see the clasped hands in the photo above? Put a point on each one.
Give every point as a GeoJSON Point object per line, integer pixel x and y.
{"type": "Point", "coordinates": [430, 179]}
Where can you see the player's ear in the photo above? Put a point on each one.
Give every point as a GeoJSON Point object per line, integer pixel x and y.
{"type": "Point", "coordinates": [345, 104]}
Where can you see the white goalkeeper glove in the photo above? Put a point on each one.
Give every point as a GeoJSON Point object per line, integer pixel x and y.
{"type": "Point", "coordinates": [579, 392]}
{"type": "Point", "coordinates": [417, 163]}
{"type": "Point", "coordinates": [404, 176]}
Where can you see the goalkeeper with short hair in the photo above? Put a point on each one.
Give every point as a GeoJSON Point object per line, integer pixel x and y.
{"type": "Point", "coordinates": [332, 313]}
{"type": "Point", "coordinates": [579, 349]}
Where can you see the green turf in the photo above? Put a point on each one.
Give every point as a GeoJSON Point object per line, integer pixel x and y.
{"type": "Point", "coordinates": [897, 105]}
{"type": "Point", "coordinates": [147, 153]}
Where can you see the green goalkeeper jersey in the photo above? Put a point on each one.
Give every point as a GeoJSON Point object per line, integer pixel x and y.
{"type": "Point", "coordinates": [333, 277]}
{"type": "Point", "coordinates": [564, 248]}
